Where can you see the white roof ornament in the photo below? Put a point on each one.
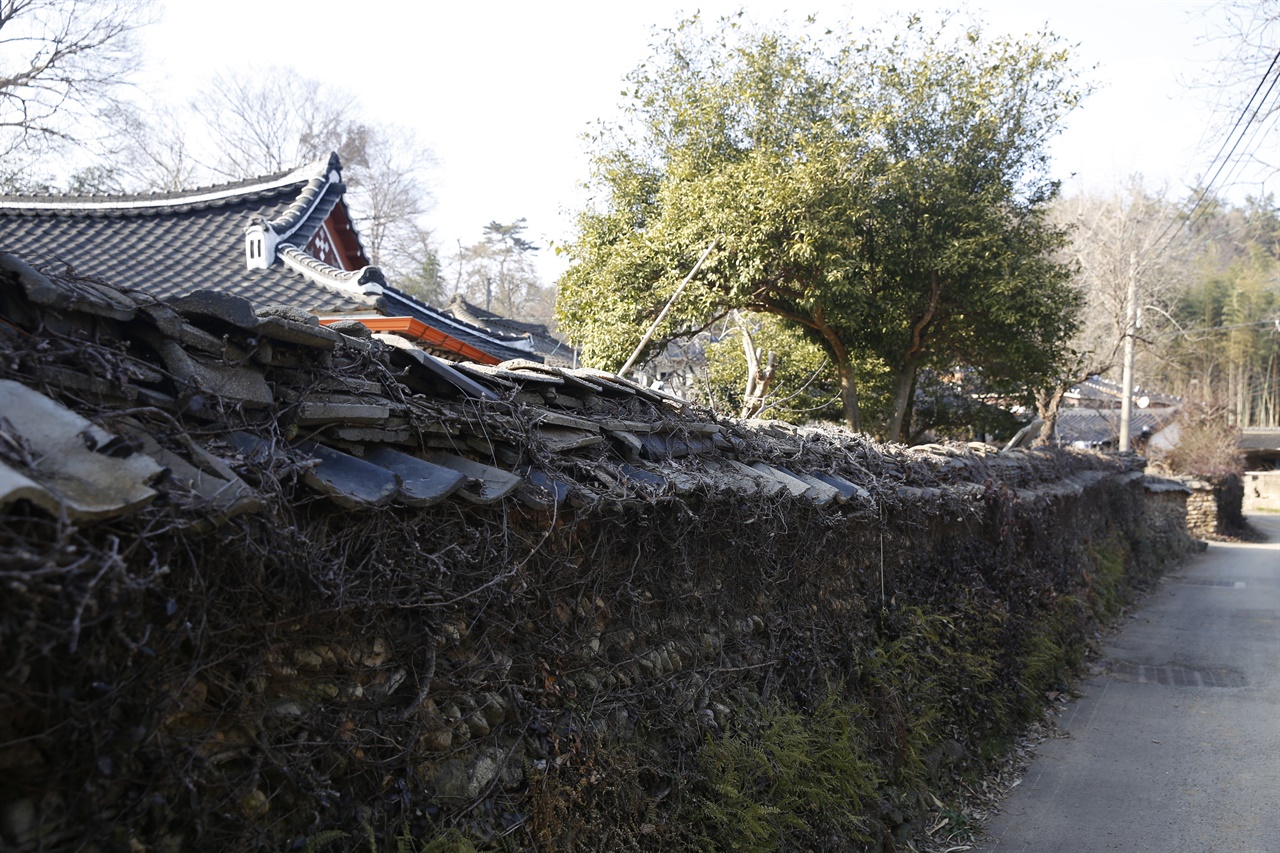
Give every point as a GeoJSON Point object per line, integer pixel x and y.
{"type": "Point", "coordinates": [260, 241]}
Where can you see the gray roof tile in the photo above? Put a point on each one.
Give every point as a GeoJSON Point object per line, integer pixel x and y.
{"type": "Point", "coordinates": [175, 244]}
{"type": "Point", "coordinates": [1260, 438]}
{"type": "Point", "coordinates": [169, 244]}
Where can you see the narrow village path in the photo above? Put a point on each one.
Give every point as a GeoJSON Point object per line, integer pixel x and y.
{"type": "Point", "coordinates": [1174, 746]}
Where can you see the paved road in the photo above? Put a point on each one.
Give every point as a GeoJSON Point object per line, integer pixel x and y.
{"type": "Point", "coordinates": [1175, 747]}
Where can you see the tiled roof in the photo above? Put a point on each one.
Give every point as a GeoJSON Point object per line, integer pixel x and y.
{"type": "Point", "coordinates": [175, 244]}
{"type": "Point", "coordinates": [1098, 390]}
{"type": "Point", "coordinates": [505, 348]}
{"type": "Point", "coordinates": [1260, 438]}
{"type": "Point", "coordinates": [170, 244]}
{"type": "Point", "coordinates": [1100, 426]}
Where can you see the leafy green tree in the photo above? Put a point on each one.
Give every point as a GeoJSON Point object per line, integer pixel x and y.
{"type": "Point", "coordinates": [887, 194]}
{"type": "Point", "coordinates": [1224, 347]}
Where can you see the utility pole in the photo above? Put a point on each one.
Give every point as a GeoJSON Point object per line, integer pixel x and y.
{"type": "Point", "coordinates": [1126, 377]}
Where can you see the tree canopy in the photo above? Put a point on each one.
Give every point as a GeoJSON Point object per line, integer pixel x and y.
{"type": "Point", "coordinates": [887, 193]}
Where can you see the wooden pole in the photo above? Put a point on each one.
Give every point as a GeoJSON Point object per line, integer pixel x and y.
{"type": "Point", "coordinates": [663, 313]}
{"type": "Point", "coordinates": [1126, 378]}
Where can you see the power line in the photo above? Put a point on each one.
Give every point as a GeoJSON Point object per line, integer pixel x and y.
{"type": "Point", "coordinates": [1274, 322]}
{"type": "Point", "coordinates": [1247, 119]}
{"type": "Point", "coordinates": [1235, 164]}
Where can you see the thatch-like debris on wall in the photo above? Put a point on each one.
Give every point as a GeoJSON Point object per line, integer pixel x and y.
{"type": "Point", "coordinates": [271, 584]}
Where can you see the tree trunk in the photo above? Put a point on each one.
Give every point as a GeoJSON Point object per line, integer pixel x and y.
{"type": "Point", "coordinates": [844, 366]}
{"type": "Point", "coordinates": [849, 393]}
{"type": "Point", "coordinates": [911, 359]}
{"type": "Point", "coordinates": [758, 379]}
{"type": "Point", "coordinates": [1047, 406]}
{"type": "Point", "coordinates": [902, 400]}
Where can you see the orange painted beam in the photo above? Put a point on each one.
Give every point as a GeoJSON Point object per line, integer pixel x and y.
{"type": "Point", "coordinates": [420, 331]}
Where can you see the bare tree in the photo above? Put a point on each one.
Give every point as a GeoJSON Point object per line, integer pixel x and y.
{"type": "Point", "coordinates": [1244, 92]}
{"type": "Point", "coordinates": [155, 154]}
{"type": "Point", "coordinates": [390, 196]}
{"type": "Point", "coordinates": [412, 262]}
{"type": "Point", "coordinates": [62, 63]}
{"type": "Point", "coordinates": [272, 119]}
{"type": "Point", "coordinates": [499, 275]}
{"type": "Point", "coordinates": [251, 123]}
{"type": "Point", "coordinates": [1116, 239]}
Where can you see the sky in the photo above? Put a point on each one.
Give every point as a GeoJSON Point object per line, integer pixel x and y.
{"type": "Point", "coordinates": [502, 92]}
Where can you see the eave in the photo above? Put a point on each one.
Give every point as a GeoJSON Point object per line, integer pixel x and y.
{"type": "Point", "coordinates": [417, 330]}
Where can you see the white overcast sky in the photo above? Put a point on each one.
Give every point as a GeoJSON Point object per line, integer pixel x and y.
{"type": "Point", "coordinates": [502, 91]}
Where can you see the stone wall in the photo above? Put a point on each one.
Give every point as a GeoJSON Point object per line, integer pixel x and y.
{"type": "Point", "coordinates": [1166, 512]}
{"type": "Point", "coordinates": [281, 587]}
{"type": "Point", "coordinates": [1215, 507]}
{"type": "Point", "coordinates": [563, 687]}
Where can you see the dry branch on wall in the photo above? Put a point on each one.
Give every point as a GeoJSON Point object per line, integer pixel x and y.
{"type": "Point", "coordinates": [284, 658]}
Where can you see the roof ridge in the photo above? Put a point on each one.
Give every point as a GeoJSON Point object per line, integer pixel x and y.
{"type": "Point", "coordinates": [476, 315]}
{"type": "Point", "coordinates": [173, 198]}
{"type": "Point", "coordinates": [364, 285]}
{"type": "Point", "coordinates": [310, 197]}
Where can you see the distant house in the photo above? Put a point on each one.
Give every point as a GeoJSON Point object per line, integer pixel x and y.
{"type": "Point", "coordinates": [1261, 446]}
{"type": "Point", "coordinates": [1100, 428]}
{"type": "Point", "coordinates": [1098, 393]}
{"type": "Point", "coordinates": [284, 239]}
{"type": "Point", "coordinates": [1090, 416]}
{"type": "Point", "coordinates": [542, 342]}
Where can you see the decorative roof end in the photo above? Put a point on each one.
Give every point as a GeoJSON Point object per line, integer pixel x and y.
{"type": "Point", "coordinates": [334, 168]}
{"type": "Point", "coordinates": [371, 281]}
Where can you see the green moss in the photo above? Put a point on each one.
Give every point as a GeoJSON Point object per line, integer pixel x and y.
{"type": "Point", "coordinates": [796, 781]}
{"type": "Point", "coordinates": [937, 675]}
{"type": "Point", "coordinates": [1106, 586]}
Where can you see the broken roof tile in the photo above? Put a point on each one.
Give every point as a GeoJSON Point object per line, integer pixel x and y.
{"type": "Point", "coordinates": [731, 477]}
{"type": "Point", "coordinates": [440, 369]}
{"type": "Point", "coordinates": [71, 458]}
{"type": "Point", "coordinates": [223, 495]}
{"type": "Point", "coordinates": [16, 486]}
{"type": "Point", "coordinates": [565, 439]}
{"type": "Point", "coordinates": [310, 413]}
{"type": "Point", "coordinates": [67, 292]}
{"type": "Point", "coordinates": [546, 417]}
{"type": "Point", "coordinates": [489, 484]}
{"type": "Point", "coordinates": [421, 482]}
{"type": "Point", "coordinates": [232, 382]}
{"type": "Point", "coordinates": [294, 332]}
{"type": "Point", "coordinates": [220, 306]}
{"type": "Point", "coordinates": [630, 443]}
